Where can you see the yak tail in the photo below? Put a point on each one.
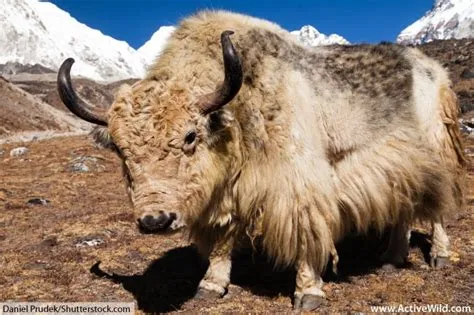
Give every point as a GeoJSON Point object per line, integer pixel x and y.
{"type": "Point", "coordinates": [452, 144]}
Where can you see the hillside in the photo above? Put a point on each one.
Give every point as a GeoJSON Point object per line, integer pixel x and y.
{"type": "Point", "coordinates": [23, 112]}
{"type": "Point", "coordinates": [31, 107]}
{"type": "Point", "coordinates": [458, 57]}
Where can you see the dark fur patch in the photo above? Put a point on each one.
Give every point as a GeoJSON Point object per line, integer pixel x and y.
{"type": "Point", "coordinates": [102, 138]}
{"type": "Point", "coordinates": [379, 72]}
{"type": "Point", "coordinates": [215, 122]}
{"type": "Point", "coordinates": [430, 74]}
{"type": "Point", "coordinates": [335, 157]}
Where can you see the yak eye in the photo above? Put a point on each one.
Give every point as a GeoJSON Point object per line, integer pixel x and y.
{"type": "Point", "coordinates": [190, 137]}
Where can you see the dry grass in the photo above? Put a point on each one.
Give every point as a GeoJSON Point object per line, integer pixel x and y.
{"type": "Point", "coordinates": [41, 261]}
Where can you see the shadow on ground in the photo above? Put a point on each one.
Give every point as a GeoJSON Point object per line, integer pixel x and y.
{"type": "Point", "coordinates": [166, 284]}
{"type": "Point", "coordinates": [172, 279]}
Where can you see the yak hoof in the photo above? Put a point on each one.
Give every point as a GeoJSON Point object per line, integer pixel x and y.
{"type": "Point", "coordinates": [388, 267]}
{"type": "Point", "coordinates": [439, 262]}
{"type": "Point", "coordinates": [308, 302]}
{"type": "Point", "coordinates": [205, 294]}
{"type": "Point", "coordinates": [209, 290]}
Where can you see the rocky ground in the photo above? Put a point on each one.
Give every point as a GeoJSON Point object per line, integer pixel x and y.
{"type": "Point", "coordinates": [64, 210]}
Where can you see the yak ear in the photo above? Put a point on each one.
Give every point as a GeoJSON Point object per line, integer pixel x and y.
{"type": "Point", "coordinates": [102, 138]}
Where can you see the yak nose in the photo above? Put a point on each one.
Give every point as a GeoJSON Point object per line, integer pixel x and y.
{"type": "Point", "coordinates": [151, 223]}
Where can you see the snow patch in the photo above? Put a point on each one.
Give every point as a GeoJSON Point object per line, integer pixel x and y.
{"type": "Point", "coordinates": [310, 36]}
{"type": "Point", "coordinates": [155, 45]}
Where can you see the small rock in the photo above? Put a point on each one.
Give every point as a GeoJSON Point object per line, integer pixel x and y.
{"type": "Point", "coordinates": [80, 168]}
{"type": "Point", "coordinates": [2, 152]}
{"type": "Point", "coordinates": [83, 164]}
{"type": "Point", "coordinates": [467, 74]}
{"type": "Point", "coordinates": [89, 242]}
{"type": "Point", "coordinates": [37, 202]}
{"type": "Point", "coordinates": [50, 241]}
{"type": "Point", "coordinates": [19, 151]}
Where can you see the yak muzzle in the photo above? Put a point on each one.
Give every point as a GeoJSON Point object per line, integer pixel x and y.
{"type": "Point", "coordinates": [158, 223]}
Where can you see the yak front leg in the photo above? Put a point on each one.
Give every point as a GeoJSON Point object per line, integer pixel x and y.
{"type": "Point", "coordinates": [439, 245]}
{"type": "Point", "coordinates": [217, 278]}
{"type": "Point", "coordinates": [308, 293]}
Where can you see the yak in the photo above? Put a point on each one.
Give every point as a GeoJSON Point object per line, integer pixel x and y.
{"type": "Point", "coordinates": [239, 132]}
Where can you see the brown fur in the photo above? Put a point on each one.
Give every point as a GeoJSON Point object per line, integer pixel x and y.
{"type": "Point", "coordinates": [317, 142]}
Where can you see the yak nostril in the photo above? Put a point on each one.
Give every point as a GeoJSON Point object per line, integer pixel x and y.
{"type": "Point", "coordinates": [150, 223]}
{"type": "Point", "coordinates": [147, 222]}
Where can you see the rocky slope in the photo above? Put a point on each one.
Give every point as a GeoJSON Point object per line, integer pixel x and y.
{"type": "Point", "coordinates": [21, 111]}
{"type": "Point", "coordinates": [457, 56]}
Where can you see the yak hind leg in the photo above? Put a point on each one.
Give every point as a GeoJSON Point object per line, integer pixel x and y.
{"type": "Point", "coordinates": [396, 254]}
{"type": "Point", "coordinates": [308, 294]}
{"type": "Point", "coordinates": [217, 278]}
{"type": "Point", "coordinates": [439, 245]}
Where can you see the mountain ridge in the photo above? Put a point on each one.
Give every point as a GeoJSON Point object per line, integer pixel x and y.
{"type": "Point", "coordinates": [447, 19]}
{"type": "Point", "coordinates": [35, 32]}
{"type": "Point", "coordinates": [38, 34]}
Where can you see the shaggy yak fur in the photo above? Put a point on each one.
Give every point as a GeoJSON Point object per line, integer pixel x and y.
{"type": "Point", "coordinates": [318, 142]}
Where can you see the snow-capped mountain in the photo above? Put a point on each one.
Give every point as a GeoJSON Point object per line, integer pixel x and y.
{"type": "Point", "coordinates": [153, 47]}
{"type": "Point", "coordinates": [310, 36]}
{"type": "Point", "coordinates": [447, 19]}
{"type": "Point", "coordinates": [34, 32]}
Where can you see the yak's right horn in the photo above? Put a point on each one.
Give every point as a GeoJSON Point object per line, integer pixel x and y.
{"type": "Point", "coordinates": [73, 102]}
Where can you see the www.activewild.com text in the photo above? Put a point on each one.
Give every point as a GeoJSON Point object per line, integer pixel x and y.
{"type": "Point", "coordinates": [444, 308]}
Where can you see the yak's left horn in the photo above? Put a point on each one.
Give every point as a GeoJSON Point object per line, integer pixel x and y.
{"type": "Point", "coordinates": [73, 102]}
{"type": "Point", "coordinates": [232, 80]}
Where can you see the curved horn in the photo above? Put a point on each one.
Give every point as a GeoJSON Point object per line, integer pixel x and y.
{"type": "Point", "coordinates": [232, 81]}
{"type": "Point", "coordinates": [72, 101]}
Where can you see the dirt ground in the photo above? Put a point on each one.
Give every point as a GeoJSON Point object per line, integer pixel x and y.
{"type": "Point", "coordinates": [50, 252]}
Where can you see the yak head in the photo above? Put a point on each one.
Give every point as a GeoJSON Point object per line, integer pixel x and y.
{"type": "Point", "coordinates": [178, 149]}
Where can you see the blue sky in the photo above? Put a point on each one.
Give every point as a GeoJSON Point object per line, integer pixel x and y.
{"type": "Point", "coordinates": [358, 21]}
